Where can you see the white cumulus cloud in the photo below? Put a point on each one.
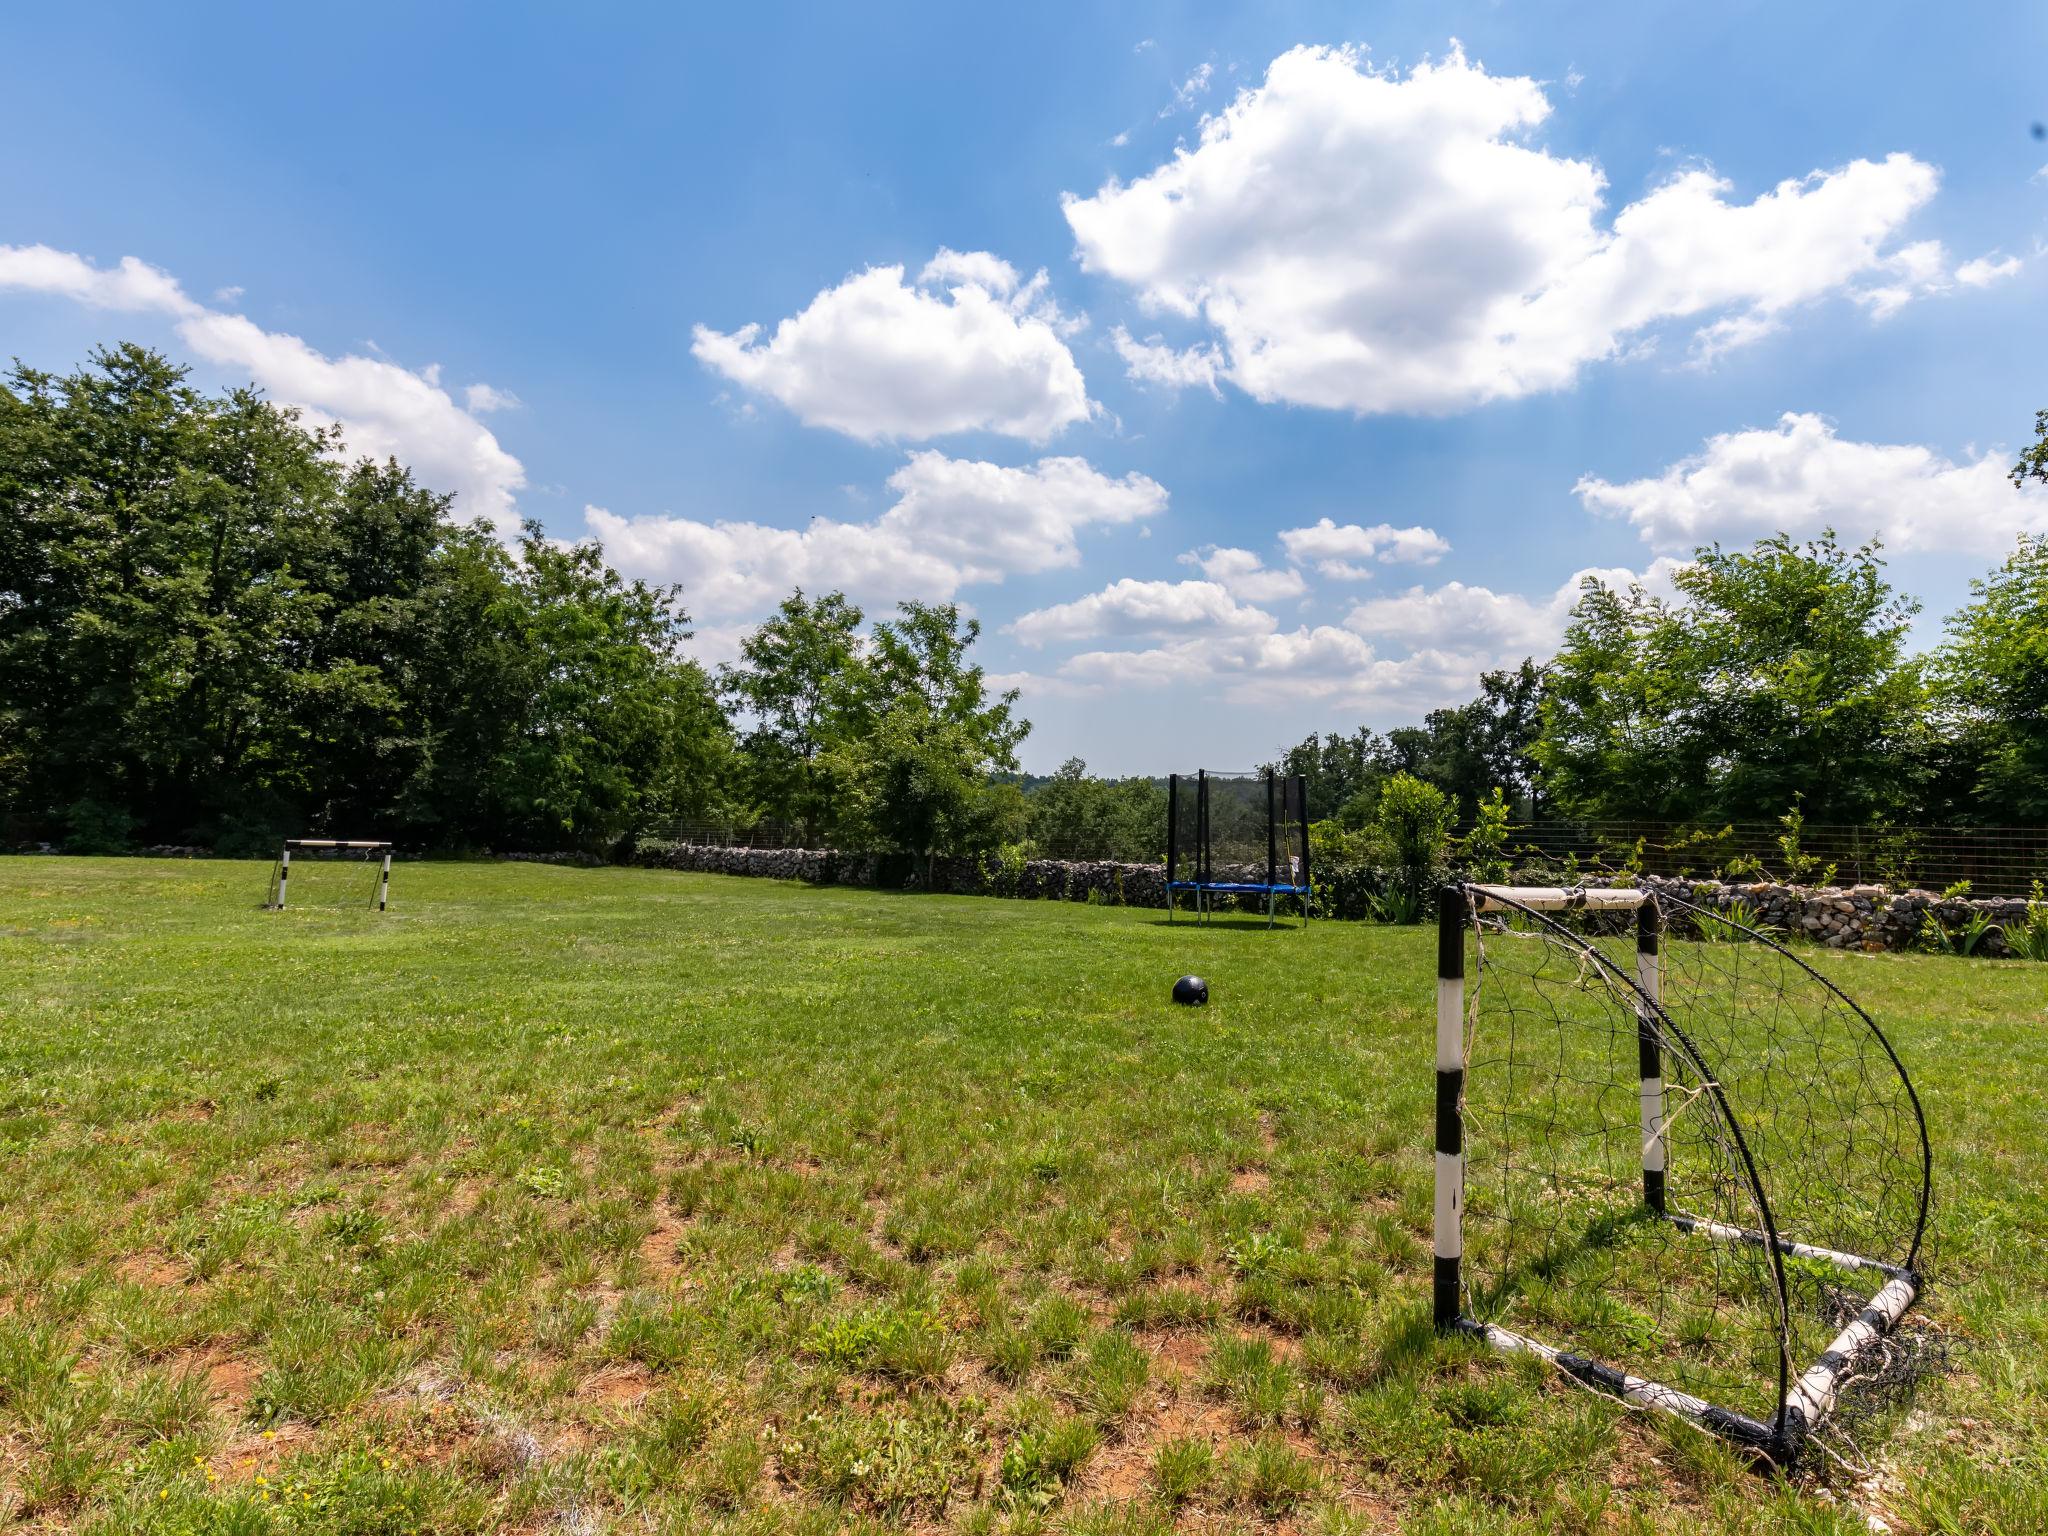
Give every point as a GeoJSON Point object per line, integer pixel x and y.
{"type": "Point", "coordinates": [1244, 575]}
{"type": "Point", "coordinates": [1503, 625]}
{"type": "Point", "coordinates": [383, 409]}
{"type": "Point", "coordinates": [1800, 477]}
{"type": "Point", "coordinates": [1371, 241]}
{"type": "Point", "coordinates": [1983, 271]}
{"type": "Point", "coordinates": [1438, 642]}
{"type": "Point", "coordinates": [955, 523]}
{"type": "Point", "coordinates": [1319, 664]}
{"type": "Point", "coordinates": [1130, 607]}
{"type": "Point", "coordinates": [1151, 361]}
{"type": "Point", "coordinates": [966, 347]}
{"type": "Point", "coordinates": [1341, 550]}
{"type": "Point", "coordinates": [483, 399]}
{"type": "Point", "coordinates": [1911, 273]}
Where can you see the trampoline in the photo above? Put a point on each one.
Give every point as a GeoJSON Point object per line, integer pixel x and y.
{"type": "Point", "coordinates": [1236, 836]}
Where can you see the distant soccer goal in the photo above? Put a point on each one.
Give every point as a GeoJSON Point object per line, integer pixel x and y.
{"type": "Point", "coordinates": [374, 856]}
{"type": "Point", "coordinates": [1673, 1160]}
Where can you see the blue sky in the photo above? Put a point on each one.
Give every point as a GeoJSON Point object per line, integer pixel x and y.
{"type": "Point", "coordinates": [1502, 293]}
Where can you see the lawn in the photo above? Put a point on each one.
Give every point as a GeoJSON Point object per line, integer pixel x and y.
{"type": "Point", "coordinates": [629, 1200]}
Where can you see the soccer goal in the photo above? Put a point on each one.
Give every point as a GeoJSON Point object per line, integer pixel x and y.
{"type": "Point", "coordinates": [1236, 835]}
{"type": "Point", "coordinates": [374, 856]}
{"type": "Point", "coordinates": [1673, 1160]}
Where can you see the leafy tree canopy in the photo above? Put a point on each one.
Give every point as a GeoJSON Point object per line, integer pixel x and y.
{"type": "Point", "coordinates": [1777, 672]}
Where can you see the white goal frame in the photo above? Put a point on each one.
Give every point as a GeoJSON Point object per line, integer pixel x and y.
{"type": "Point", "coordinates": [281, 871]}
{"type": "Point", "coordinates": [1803, 1401]}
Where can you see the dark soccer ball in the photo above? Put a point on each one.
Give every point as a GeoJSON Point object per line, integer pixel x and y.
{"type": "Point", "coordinates": [1191, 990]}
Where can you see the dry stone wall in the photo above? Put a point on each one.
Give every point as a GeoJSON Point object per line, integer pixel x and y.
{"type": "Point", "coordinates": [1865, 917]}
{"type": "Point", "coordinates": [1126, 885]}
{"type": "Point", "coordinates": [1870, 917]}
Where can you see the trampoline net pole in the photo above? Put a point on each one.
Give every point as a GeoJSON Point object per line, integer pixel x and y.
{"type": "Point", "coordinates": [1172, 835]}
{"type": "Point", "coordinates": [1269, 842]}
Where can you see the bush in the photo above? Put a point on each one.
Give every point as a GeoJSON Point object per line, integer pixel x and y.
{"type": "Point", "coordinates": [1485, 847]}
{"type": "Point", "coordinates": [1343, 870]}
{"type": "Point", "coordinates": [1413, 828]}
{"type": "Point", "coordinates": [2028, 938]}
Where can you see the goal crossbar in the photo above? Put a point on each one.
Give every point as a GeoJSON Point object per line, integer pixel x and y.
{"type": "Point", "coordinates": [1802, 1402]}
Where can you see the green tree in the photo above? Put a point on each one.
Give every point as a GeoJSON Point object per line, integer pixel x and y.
{"type": "Point", "coordinates": [802, 685]}
{"type": "Point", "coordinates": [2033, 463]}
{"type": "Point", "coordinates": [921, 656]}
{"type": "Point", "coordinates": [1992, 680]}
{"type": "Point", "coordinates": [917, 776]}
{"type": "Point", "coordinates": [1466, 752]}
{"type": "Point", "coordinates": [1613, 738]}
{"type": "Point", "coordinates": [194, 642]}
{"type": "Point", "coordinates": [1338, 771]}
{"type": "Point", "coordinates": [1412, 828]}
{"type": "Point", "coordinates": [597, 688]}
{"type": "Point", "coordinates": [1076, 816]}
{"type": "Point", "coordinates": [1779, 671]}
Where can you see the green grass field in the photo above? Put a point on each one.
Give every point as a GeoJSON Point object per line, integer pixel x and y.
{"type": "Point", "coordinates": [561, 1200]}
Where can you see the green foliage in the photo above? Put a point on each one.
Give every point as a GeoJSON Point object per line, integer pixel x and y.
{"type": "Point", "coordinates": [1734, 923]}
{"type": "Point", "coordinates": [2027, 939]}
{"type": "Point", "coordinates": [1776, 671]}
{"type": "Point", "coordinates": [597, 690]}
{"type": "Point", "coordinates": [215, 630]}
{"type": "Point", "coordinates": [916, 776]}
{"type": "Point", "coordinates": [1413, 826]}
{"type": "Point", "coordinates": [1800, 867]}
{"type": "Point", "coordinates": [1396, 905]}
{"type": "Point", "coordinates": [1963, 938]}
{"type": "Point", "coordinates": [1991, 681]}
{"type": "Point", "coordinates": [799, 681]}
{"type": "Point", "coordinates": [1896, 855]}
{"type": "Point", "coordinates": [1465, 752]}
{"type": "Point", "coordinates": [1484, 849]}
{"type": "Point", "coordinates": [1039, 1462]}
{"type": "Point", "coordinates": [1074, 816]}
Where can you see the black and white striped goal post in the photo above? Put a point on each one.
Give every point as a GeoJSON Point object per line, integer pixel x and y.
{"type": "Point", "coordinates": [1642, 1131]}
{"type": "Point", "coordinates": [281, 871]}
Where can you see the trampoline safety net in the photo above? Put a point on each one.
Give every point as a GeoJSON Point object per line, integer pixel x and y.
{"type": "Point", "coordinates": [1237, 834]}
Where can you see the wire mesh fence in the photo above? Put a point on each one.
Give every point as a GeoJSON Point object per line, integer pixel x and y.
{"type": "Point", "coordinates": [1997, 861]}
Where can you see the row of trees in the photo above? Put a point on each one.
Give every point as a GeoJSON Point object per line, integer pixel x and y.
{"type": "Point", "coordinates": [1776, 676]}
{"type": "Point", "coordinates": [214, 630]}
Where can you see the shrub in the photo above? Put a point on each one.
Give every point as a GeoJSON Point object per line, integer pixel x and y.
{"type": "Point", "coordinates": [2027, 939]}
{"type": "Point", "coordinates": [1413, 826]}
{"type": "Point", "coordinates": [1801, 867]}
{"type": "Point", "coordinates": [1486, 845]}
{"type": "Point", "coordinates": [1964, 938]}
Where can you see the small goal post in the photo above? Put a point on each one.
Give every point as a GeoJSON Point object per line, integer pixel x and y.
{"type": "Point", "coordinates": [281, 871]}
{"type": "Point", "coordinates": [1672, 1159]}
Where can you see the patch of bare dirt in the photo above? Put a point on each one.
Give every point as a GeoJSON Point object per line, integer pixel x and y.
{"type": "Point", "coordinates": [258, 1453]}
{"type": "Point", "coordinates": [1184, 1353]}
{"type": "Point", "coordinates": [151, 1267]}
{"type": "Point", "coordinates": [659, 1249]}
{"type": "Point", "coordinates": [616, 1385]}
